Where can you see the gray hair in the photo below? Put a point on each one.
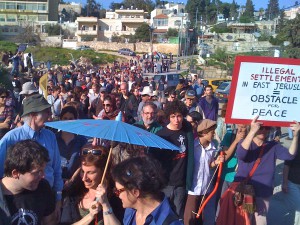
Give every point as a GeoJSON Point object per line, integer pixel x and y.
{"type": "Point", "coordinates": [150, 104]}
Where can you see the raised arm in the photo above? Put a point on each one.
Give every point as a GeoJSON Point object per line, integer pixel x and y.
{"type": "Point", "coordinates": [108, 214]}
{"type": "Point", "coordinates": [295, 142]}
{"type": "Point", "coordinates": [253, 130]}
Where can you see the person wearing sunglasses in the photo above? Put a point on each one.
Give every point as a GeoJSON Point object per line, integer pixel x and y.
{"type": "Point", "coordinates": [109, 110]}
{"type": "Point", "coordinates": [138, 183]}
{"type": "Point", "coordinates": [253, 147]}
{"type": "Point", "coordinates": [80, 206]}
{"type": "Point", "coordinates": [6, 113]}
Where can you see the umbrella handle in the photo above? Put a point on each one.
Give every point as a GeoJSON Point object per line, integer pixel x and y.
{"type": "Point", "coordinates": [106, 166]}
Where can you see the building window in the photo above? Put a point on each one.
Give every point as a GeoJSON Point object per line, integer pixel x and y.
{"type": "Point", "coordinates": [42, 7]}
{"type": "Point", "coordinates": [2, 18]}
{"type": "Point", "coordinates": [2, 5]}
{"type": "Point", "coordinates": [21, 6]}
{"type": "Point", "coordinates": [42, 18]}
{"type": "Point", "coordinates": [11, 5]}
{"type": "Point", "coordinates": [11, 18]}
{"type": "Point", "coordinates": [22, 17]}
{"type": "Point", "coordinates": [32, 18]}
{"type": "Point", "coordinates": [31, 6]}
{"type": "Point", "coordinates": [160, 22]}
{"type": "Point", "coordinates": [94, 27]}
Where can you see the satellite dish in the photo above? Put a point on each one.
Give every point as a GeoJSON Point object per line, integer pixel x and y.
{"type": "Point", "coordinates": [256, 34]}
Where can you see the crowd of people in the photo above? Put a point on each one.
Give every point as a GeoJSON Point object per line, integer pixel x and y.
{"type": "Point", "coordinates": [54, 177]}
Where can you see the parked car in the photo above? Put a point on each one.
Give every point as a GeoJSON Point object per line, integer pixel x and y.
{"type": "Point", "coordinates": [214, 82]}
{"type": "Point", "coordinates": [222, 92]}
{"type": "Point", "coordinates": [172, 79]}
{"type": "Point", "coordinates": [83, 47]}
{"type": "Point", "coordinates": [126, 51]}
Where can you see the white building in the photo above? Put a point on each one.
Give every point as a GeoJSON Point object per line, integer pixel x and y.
{"type": "Point", "coordinates": [172, 15]}
{"type": "Point", "coordinates": [292, 12]}
{"type": "Point", "coordinates": [120, 22]}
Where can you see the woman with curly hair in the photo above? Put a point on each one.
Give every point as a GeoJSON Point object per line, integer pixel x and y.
{"type": "Point", "coordinates": [139, 182]}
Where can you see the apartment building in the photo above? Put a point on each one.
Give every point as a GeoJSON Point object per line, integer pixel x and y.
{"type": "Point", "coordinates": [120, 22]}
{"type": "Point", "coordinates": [15, 14]}
{"type": "Point", "coordinates": [291, 13]}
{"type": "Point", "coordinates": [171, 15]}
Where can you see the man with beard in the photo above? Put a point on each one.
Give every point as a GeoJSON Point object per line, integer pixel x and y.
{"type": "Point", "coordinates": [25, 196]}
{"type": "Point", "coordinates": [148, 121]}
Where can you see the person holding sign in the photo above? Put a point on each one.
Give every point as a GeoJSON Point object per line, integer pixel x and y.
{"type": "Point", "coordinates": [256, 151]}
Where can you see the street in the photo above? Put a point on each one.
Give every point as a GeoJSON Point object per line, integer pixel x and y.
{"type": "Point", "coordinates": [280, 212]}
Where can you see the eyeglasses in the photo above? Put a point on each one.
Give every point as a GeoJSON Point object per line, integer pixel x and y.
{"type": "Point", "coordinates": [172, 96]}
{"type": "Point", "coordinates": [108, 105]}
{"type": "Point", "coordinates": [3, 96]}
{"type": "Point", "coordinates": [91, 151]}
{"type": "Point", "coordinates": [117, 192]}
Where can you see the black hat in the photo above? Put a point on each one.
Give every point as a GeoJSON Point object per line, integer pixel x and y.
{"type": "Point", "coordinates": [35, 103]}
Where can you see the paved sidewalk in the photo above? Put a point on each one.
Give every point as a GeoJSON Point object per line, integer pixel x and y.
{"type": "Point", "coordinates": [280, 212]}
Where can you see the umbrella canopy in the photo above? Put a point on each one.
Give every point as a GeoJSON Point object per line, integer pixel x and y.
{"type": "Point", "coordinates": [113, 130]}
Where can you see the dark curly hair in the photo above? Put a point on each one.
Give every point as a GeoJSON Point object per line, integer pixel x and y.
{"type": "Point", "coordinates": [25, 156]}
{"type": "Point", "coordinates": [69, 109]}
{"type": "Point", "coordinates": [142, 173]}
{"type": "Point", "coordinates": [175, 106]}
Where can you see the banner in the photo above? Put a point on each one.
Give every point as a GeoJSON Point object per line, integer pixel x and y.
{"type": "Point", "coordinates": [264, 86]}
{"type": "Point", "coordinates": [43, 85]}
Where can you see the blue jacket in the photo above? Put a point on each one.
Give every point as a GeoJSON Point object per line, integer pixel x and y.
{"type": "Point", "coordinates": [157, 217]}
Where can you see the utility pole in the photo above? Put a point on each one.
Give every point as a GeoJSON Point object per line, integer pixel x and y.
{"type": "Point", "coordinates": [196, 21]}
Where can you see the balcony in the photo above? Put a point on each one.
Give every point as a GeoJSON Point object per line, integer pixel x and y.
{"type": "Point", "coordinates": [131, 20]}
{"type": "Point", "coordinates": [87, 33]}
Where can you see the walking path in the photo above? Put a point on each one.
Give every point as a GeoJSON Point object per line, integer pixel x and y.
{"type": "Point", "coordinates": [280, 212]}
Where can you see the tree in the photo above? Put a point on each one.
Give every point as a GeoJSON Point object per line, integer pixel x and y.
{"type": "Point", "coordinates": [273, 9]}
{"type": "Point", "coordinates": [52, 29]}
{"type": "Point", "coordinates": [114, 5]}
{"type": "Point", "coordinates": [249, 10]}
{"type": "Point", "coordinates": [281, 22]}
{"type": "Point", "coordinates": [193, 6]}
{"type": "Point", "coordinates": [142, 33]}
{"type": "Point", "coordinates": [27, 34]}
{"type": "Point", "coordinates": [91, 8]}
{"type": "Point", "coordinates": [146, 5]}
{"type": "Point", "coordinates": [291, 34]}
{"type": "Point", "coordinates": [172, 32]}
{"type": "Point", "coordinates": [233, 10]}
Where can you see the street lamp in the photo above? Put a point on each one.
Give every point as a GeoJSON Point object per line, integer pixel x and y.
{"type": "Point", "coordinates": [151, 29]}
{"type": "Point", "coordinates": [60, 19]}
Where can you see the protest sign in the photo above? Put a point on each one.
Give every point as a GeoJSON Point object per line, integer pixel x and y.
{"type": "Point", "coordinates": [264, 86]}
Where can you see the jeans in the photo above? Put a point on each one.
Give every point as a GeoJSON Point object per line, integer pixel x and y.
{"type": "Point", "coordinates": [177, 198]}
{"type": "Point", "coordinates": [262, 208]}
{"type": "Point", "coordinates": [293, 199]}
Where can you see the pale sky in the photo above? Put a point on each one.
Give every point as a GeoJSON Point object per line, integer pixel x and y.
{"type": "Point", "coordinates": [257, 3]}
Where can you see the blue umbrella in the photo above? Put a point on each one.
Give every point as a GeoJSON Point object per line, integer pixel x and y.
{"type": "Point", "coordinates": [112, 130]}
